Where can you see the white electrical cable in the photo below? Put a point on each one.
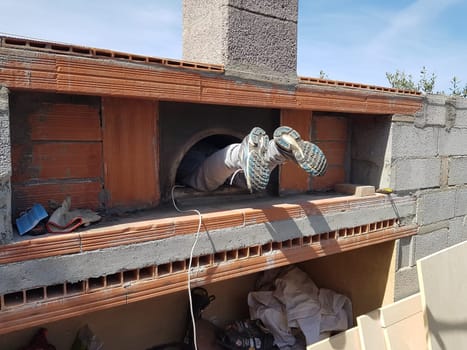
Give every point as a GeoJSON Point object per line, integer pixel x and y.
{"type": "Point", "coordinates": [190, 261]}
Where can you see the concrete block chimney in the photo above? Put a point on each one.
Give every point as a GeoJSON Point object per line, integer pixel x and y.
{"type": "Point", "coordinates": [252, 39]}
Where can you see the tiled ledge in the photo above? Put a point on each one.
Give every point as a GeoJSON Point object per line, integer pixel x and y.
{"type": "Point", "coordinates": [157, 226]}
{"type": "Point", "coordinates": [28, 308]}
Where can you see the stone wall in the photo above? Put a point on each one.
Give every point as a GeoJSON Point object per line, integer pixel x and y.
{"type": "Point", "coordinates": [429, 160]}
{"type": "Point", "coordinates": [6, 232]}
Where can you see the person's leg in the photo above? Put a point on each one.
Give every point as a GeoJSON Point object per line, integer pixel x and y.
{"type": "Point", "coordinates": [212, 172]}
{"type": "Point", "coordinates": [287, 144]}
{"type": "Point", "coordinates": [249, 156]}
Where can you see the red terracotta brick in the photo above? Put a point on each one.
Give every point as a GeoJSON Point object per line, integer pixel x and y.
{"type": "Point", "coordinates": [67, 160]}
{"type": "Point", "coordinates": [334, 151]}
{"type": "Point", "coordinates": [333, 176]}
{"type": "Point", "coordinates": [66, 122]}
{"type": "Point", "coordinates": [83, 195]}
{"type": "Point", "coordinates": [130, 154]}
{"type": "Point", "coordinates": [329, 128]}
{"type": "Point", "coordinates": [291, 177]}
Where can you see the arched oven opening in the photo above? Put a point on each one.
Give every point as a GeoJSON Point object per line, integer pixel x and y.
{"type": "Point", "coordinates": [184, 127]}
{"type": "Point", "coordinates": [207, 142]}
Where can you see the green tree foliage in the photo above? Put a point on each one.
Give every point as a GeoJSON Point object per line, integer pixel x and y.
{"type": "Point", "coordinates": [426, 83]}
{"type": "Point", "coordinates": [400, 80]}
{"type": "Point", "coordinates": [456, 89]}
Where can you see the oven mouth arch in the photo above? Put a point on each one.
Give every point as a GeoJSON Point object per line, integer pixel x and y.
{"type": "Point", "coordinates": [219, 137]}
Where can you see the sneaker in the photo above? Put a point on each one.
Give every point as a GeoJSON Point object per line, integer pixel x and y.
{"type": "Point", "coordinates": [252, 159]}
{"type": "Point", "coordinates": [304, 153]}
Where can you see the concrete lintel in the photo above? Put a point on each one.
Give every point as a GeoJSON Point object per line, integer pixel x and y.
{"type": "Point", "coordinates": [403, 118]}
{"type": "Point", "coordinates": [424, 229]}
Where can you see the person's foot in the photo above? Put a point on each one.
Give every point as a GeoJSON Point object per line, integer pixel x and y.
{"type": "Point", "coordinates": [252, 159]}
{"type": "Point", "coordinates": [306, 154]}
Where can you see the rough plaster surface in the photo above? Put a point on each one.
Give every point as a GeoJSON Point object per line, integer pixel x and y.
{"type": "Point", "coordinates": [72, 268]}
{"type": "Point", "coordinates": [261, 44]}
{"type": "Point", "coordinates": [204, 32]}
{"type": "Point", "coordinates": [251, 39]}
{"type": "Point", "coordinates": [6, 231]}
{"type": "Point", "coordinates": [281, 9]}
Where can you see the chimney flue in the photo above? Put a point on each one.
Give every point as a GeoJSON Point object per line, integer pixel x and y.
{"type": "Point", "coordinates": [252, 39]}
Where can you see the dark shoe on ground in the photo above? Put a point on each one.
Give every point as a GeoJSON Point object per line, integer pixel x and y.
{"type": "Point", "coordinates": [306, 154]}
{"type": "Point", "coordinates": [252, 159]}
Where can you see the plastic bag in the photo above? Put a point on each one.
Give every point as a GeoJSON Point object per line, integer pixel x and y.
{"type": "Point", "coordinates": [86, 340]}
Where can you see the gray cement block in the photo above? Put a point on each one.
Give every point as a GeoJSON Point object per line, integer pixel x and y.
{"type": "Point", "coordinates": [253, 40]}
{"type": "Point", "coordinates": [461, 112]}
{"type": "Point", "coordinates": [260, 46]}
{"type": "Point", "coordinates": [461, 201]}
{"type": "Point", "coordinates": [457, 174]}
{"type": "Point", "coordinates": [414, 174]}
{"type": "Point", "coordinates": [406, 283]}
{"type": "Point", "coordinates": [457, 230]}
{"type": "Point", "coordinates": [409, 141]}
{"type": "Point", "coordinates": [204, 30]}
{"type": "Point", "coordinates": [433, 111]}
{"type": "Point", "coordinates": [404, 255]}
{"type": "Point", "coordinates": [282, 9]}
{"type": "Point", "coordinates": [430, 243]}
{"type": "Point", "coordinates": [436, 205]}
{"type": "Point", "coordinates": [453, 142]}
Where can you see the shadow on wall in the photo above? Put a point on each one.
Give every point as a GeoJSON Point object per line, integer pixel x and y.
{"type": "Point", "coordinates": [369, 140]}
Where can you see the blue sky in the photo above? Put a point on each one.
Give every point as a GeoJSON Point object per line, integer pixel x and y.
{"type": "Point", "coordinates": [356, 41]}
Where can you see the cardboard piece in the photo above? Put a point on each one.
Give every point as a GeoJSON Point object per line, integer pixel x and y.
{"type": "Point", "coordinates": [403, 325]}
{"type": "Point", "coordinates": [348, 340]}
{"type": "Point", "coordinates": [443, 289]}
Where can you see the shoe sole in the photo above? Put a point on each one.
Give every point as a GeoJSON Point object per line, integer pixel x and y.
{"type": "Point", "coordinates": [307, 155]}
{"type": "Point", "coordinates": [257, 170]}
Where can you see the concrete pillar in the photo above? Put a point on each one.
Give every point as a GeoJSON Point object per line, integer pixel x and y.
{"type": "Point", "coordinates": [252, 39]}
{"type": "Point", "coordinates": [6, 231]}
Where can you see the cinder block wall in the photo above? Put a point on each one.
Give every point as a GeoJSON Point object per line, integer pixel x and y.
{"type": "Point", "coordinates": [428, 158]}
{"type": "Point", "coordinates": [251, 38]}
{"type": "Point", "coordinates": [6, 232]}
